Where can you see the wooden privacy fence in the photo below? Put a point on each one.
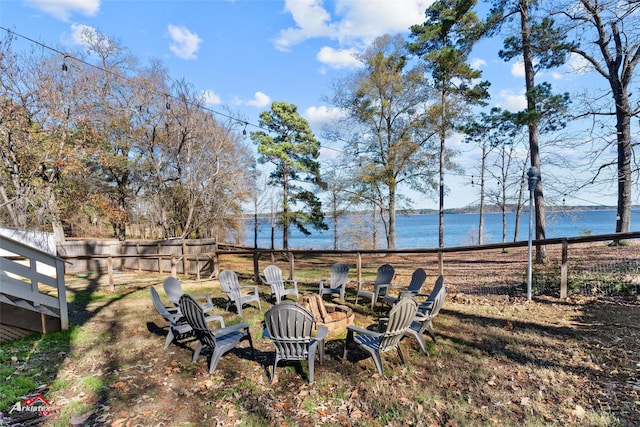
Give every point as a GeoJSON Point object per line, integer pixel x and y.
{"type": "Point", "coordinates": [491, 268]}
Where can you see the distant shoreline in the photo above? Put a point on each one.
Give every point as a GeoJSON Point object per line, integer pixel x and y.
{"type": "Point", "coordinates": [491, 209]}
{"type": "Point", "coordinates": [509, 209]}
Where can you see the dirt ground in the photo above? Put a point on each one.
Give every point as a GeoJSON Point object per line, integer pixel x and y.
{"type": "Point", "coordinates": [498, 360]}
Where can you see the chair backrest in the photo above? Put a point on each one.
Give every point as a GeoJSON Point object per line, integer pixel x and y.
{"type": "Point", "coordinates": [157, 303]}
{"type": "Point", "coordinates": [273, 274]}
{"type": "Point", "coordinates": [339, 274]}
{"type": "Point", "coordinates": [173, 288]}
{"type": "Point", "coordinates": [192, 311]}
{"type": "Point", "coordinates": [417, 280]}
{"type": "Point", "coordinates": [230, 284]}
{"type": "Point", "coordinates": [385, 274]}
{"type": "Point", "coordinates": [289, 326]}
{"type": "Point", "coordinates": [437, 296]}
{"type": "Point", "coordinates": [400, 317]}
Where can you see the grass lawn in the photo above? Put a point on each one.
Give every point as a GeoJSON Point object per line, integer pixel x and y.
{"type": "Point", "coordinates": [497, 361]}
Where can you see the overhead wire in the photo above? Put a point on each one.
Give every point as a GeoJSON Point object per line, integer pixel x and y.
{"type": "Point", "coordinates": [66, 56]}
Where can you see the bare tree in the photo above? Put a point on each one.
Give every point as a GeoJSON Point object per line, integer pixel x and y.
{"type": "Point", "coordinates": [387, 106]}
{"type": "Point", "coordinates": [607, 39]}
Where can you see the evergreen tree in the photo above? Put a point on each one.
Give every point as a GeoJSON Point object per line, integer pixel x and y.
{"type": "Point", "coordinates": [293, 149]}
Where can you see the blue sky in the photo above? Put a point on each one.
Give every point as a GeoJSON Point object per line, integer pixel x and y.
{"type": "Point", "coordinates": [245, 54]}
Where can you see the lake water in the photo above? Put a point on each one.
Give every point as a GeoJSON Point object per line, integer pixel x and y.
{"type": "Point", "coordinates": [421, 231]}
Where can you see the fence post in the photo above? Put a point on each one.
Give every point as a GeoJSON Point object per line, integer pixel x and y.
{"type": "Point", "coordinates": [62, 295]}
{"type": "Point", "coordinates": [159, 251]}
{"type": "Point", "coordinates": [564, 269]}
{"type": "Point", "coordinates": [138, 258]}
{"type": "Point", "coordinates": [174, 266]}
{"type": "Point", "coordinates": [256, 267]}
{"type": "Point", "coordinates": [198, 267]}
{"type": "Point", "coordinates": [215, 268]}
{"type": "Point", "coordinates": [112, 286]}
{"type": "Point", "coordinates": [359, 266]}
{"type": "Point", "coordinates": [184, 259]}
{"type": "Point", "coordinates": [292, 268]}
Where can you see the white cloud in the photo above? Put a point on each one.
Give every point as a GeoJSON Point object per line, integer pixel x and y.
{"type": "Point", "coordinates": [185, 44]}
{"type": "Point", "coordinates": [80, 34]}
{"type": "Point", "coordinates": [317, 116]}
{"type": "Point", "coordinates": [369, 19]}
{"type": "Point", "coordinates": [478, 63]}
{"type": "Point", "coordinates": [357, 21]}
{"type": "Point", "coordinates": [341, 58]}
{"type": "Point", "coordinates": [312, 21]}
{"type": "Point", "coordinates": [578, 65]}
{"type": "Point", "coordinates": [260, 100]}
{"type": "Point", "coordinates": [517, 68]}
{"type": "Point", "coordinates": [62, 9]}
{"type": "Point", "coordinates": [211, 98]}
{"type": "Point", "coordinates": [511, 101]}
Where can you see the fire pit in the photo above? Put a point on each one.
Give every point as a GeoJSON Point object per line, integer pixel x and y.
{"type": "Point", "coordinates": [335, 317]}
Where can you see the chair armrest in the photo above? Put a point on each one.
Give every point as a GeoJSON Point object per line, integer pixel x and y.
{"type": "Point", "coordinates": [206, 296]}
{"type": "Point", "coordinates": [215, 318]}
{"type": "Point", "coordinates": [232, 328]}
{"type": "Point", "coordinates": [384, 286]}
{"type": "Point", "coordinates": [382, 322]}
{"type": "Point", "coordinates": [322, 333]}
{"type": "Point", "coordinates": [421, 317]}
{"type": "Point", "coordinates": [363, 331]}
{"type": "Point", "coordinates": [176, 317]}
{"type": "Point", "coordinates": [364, 282]}
{"type": "Point", "coordinates": [254, 288]}
{"type": "Point", "coordinates": [425, 306]}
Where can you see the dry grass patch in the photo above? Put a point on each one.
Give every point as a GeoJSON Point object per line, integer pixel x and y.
{"type": "Point", "coordinates": [497, 361]}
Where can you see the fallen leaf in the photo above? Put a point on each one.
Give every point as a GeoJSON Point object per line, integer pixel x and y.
{"type": "Point", "coordinates": [579, 411]}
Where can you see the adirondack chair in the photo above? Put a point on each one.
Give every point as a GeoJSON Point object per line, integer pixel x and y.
{"type": "Point", "coordinates": [425, 314]}
{"type": "Point", "coordinates": [173, 288]}
{"type": "Point", "coordinates": [230, 286]}
{"type": "Point", "coordinates": [390, 332]}
{"type": "Point", "coordinates": [415, 285]}
{"type": "Point", "coordinates": [289, 326]}
{"type": "Point", "coordinates": [338, 281]}
{"type": "Point", "coordinates": [217, 342]}
{"type": "Point", "coordinates": [179, 328]}
{"type": "Point", "coordinates": [273, 278]}
{"type": "Point", "coordinates": [380, 285]}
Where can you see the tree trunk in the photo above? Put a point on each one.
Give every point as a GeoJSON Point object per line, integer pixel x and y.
{"type": "Point", "coordinates": [482, 167]}
{"type": "Point", "coordinates": [532, 125]}
{"type": "Point", "coordinates": [391, 235]}
{"type": "Point", "coordinates": [623, 127]}
{"type": "Point", "coordinates": [285, 208]}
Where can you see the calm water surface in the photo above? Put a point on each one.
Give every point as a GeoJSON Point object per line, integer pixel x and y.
{"type": "Point", "coordinates": [421, 231]}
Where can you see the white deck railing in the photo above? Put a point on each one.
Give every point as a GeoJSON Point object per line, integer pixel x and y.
{"type": "Point", "coordinates": [34, 277]}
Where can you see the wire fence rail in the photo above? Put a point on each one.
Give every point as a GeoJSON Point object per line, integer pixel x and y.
{"type": "Point", "coordinates": [592, 265]}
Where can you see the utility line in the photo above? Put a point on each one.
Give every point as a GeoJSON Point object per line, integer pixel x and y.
{"type": "Point", "coordinates": [193, 104]}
